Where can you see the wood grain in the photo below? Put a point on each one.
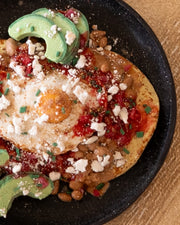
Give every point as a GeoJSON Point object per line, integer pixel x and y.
{"type": "Point", "coordinates": [160, 203]}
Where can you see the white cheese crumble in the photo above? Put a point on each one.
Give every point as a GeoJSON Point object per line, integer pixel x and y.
{"type": "Point", "coordinates": [4, 102]}
{"type": "Point", "coordinates": [17, 122]}
{"type": "Point", "coordinates": [113, 90]}
{"type": "Point", "coordinates": [91, 140]}
{"type": "Point", "coordinates": [70, 37]}
{"type": "Point", "coordinates": [33, 130]}
{"type": "Point", "coordinates": [17, 168]}
{"type": "Point", "coordinates": [124, 115]}
{"type": "Point", "coordinates": [18, 69]}
{"type": "Point", "coordinates": [42, 119]}
{"type": "Point", "coordinates": [37, 68]}
{"type": "Point", "coordinates": [109, 98]}
{"type": "Point", "coordinates": [81, 62]}
{"type": "Point", "coordinates": [54, 176]}
{"type": "Point", "coordinates": [116, 110]}
{"type": "Point", "coordinates": [13, 87]}
{"type": "Point", "coordinates": [123, 86]}
{"type": "Point", "coordinates": [118, 159]}
{"type": "Point", "coordinates": [96, 166]}
{"type": "Point", "coordinates": [78, 166]}
{"type": "Point", "coordinates": [99, 127]}
{"type": "Point", "coordinates": [31, 47]}
{"type": "Point", "coordinates": [81, 94]}
{"type": "Point", "coordinates": [10, 128]}
{"type": "Point", "coordinates": [121, 112]}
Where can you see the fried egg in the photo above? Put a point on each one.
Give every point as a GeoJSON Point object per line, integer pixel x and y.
{"type": "Point", "coordinates": [38, 115]}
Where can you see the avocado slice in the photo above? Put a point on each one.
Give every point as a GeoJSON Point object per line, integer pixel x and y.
{"type": "Point", "coordinates": [82, 24]}
{"type": "Point", "coordinates": [33, 185]}
{"type": "Point", "coordinates": [4, 157]}
{"type": "Point", "coordinates": [41, 27]}
{"type": "Point", "coordinates": [66, 25]}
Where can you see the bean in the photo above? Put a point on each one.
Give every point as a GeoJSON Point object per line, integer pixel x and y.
{"type": "Point", "coordinates": [77, 195]}
{"type": "Point", "coordinates": [100, 151]}
{"type": "Point", "coordinates": [78, 155]}
{"type": "Point", "coordinates": [103, 42]}
{"type": "Point", "coordinates": [64, 197]}
{"type": "Point", "coordinates": [128, 81]}
{"type": "Point", "coordinates": [105, 67]}
{"type": "Point", "coordinates": [56, 187]}
{"type": "Point", "coordinates": [11, 46]}
{"type": "Point", "coordinates": [98, 33]}
{"type": "Point", "coordinates": [75, 185]}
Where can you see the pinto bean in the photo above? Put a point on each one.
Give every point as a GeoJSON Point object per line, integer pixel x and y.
{"type": "Point", "coordinates": [77, 195]}
{"type": "Point", "coordinates": [56, 187]}
{"type": "Point", "coordinates": [64, 197]}
{"type": "Point", "coordinates": [78, 155]}
{"type": "Point", "coordinates": [11, 46]}
{"type": "Point", "coordinates": [105, 67]}
{"type": "Point", "coordinates": [75, 185]}
{"type": "Point", "coordinates": [97, 34]}
{"type": "Point", "coordinates": [103, 42]}
{"type": "Point", "coordinates": [100, 151]}
{"type": "Point", "coordinates": [128, 81]}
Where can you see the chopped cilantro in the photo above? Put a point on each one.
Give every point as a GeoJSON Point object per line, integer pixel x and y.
{"type": "Point", "coordinates": [147, 109]}
{"type": "Point", "coordinates": [1, 82]}
{"type": "Point", "coordinates": [8, 76]}
{"type": "Point", "coordinates": [39, 185]}
{"type": "Point", "coordinates": [24, 133]}
{"type": "Point", "coordinates": [130, 126]}
{"type": "Point", "coordinates": [0, 94]}
{"type": "Point", "coordinates": [63, 110]}
{"type": "Point", "coordinates": [122, 131]}
{"type": "Point", "coordinates": [7, 114]}
{"type": "Point", "coordinates": [34, 176]}
{"type": "Point", "coordinates": [32, 28]}
{"type": "Point", "coordinates": [57, 53]}
{"type": "Point", "coordinates": [126, 151]}
{"type": "Point", "coordinates": [29, 75]}
{"type": "Point", "coordinates": [38, 92]}
{"type": "Point", "coordinates": [75, 101]}
{"type": "Point", "coordinates": [23, 109]}
{"type": "Point", "coordinates": [95, 68]}
{"type": "Point", "coordinates": [6, 91]}
{"type": "Point", "coordinates": [54, 144]}
{"type": "Point", "coordinates": [99, 89]}
{"type": "Point", "coordinates": [99, 186]}
{"type": "Point", "coordinates": [18, 152]}
{"type": "Point", "coordinates": [139, 134]}
{"type": "Point", "coordinates": [49, 153]}
{"type": "Point", "coordinates": [107, 112]}
{"type": "Point", "coordinates": [74, 61]}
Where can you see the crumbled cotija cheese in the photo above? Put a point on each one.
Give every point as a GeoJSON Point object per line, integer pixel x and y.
{"type": "Point", "coordinates": [91, 140]}
{"type": "Point", "coordinates": [54, 176]}
{"type": "Point", "coordinates": [99, 127]}
{"type": "Point", "coordinates": [124, 115]}
{"type": "Point", "coordinates": [42, 119]}
{"type": "Point", "coordinates": [20, 70]}
{"type": "Point", "coordinates": [96, 166]}
{"type": "Point", "coordinates": [81, 94]}
{"type": "Point", "coordinates": [113, 90]}
{"type": "Point", "coordinates": [70, 37]}
{"type": "Point", "coordinates": [17, 168]}
{"type": "Point", "coordinates": [33, 130]}
{"type": "Point", "coordinates": [4, 103]}
{"type": "Point", "coordinates": [81, 62]}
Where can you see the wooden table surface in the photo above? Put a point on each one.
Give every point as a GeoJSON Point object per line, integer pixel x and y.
{"type": "Point", "coordinates": [160, 203]}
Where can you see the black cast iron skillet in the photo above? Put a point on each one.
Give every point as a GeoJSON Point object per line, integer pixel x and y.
{"type": "Point", "coordinates": [137, 42]}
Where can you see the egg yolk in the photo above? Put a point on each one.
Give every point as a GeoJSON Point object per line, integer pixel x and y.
{"type": "Point", "coordinates": [56, 104]}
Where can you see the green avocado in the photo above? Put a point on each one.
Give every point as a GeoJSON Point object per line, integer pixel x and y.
{"type": "Point", "coordinates": [33, 185]}
{"type": "Point", "coordinates": [4, 157]}
{"type": "Point", "coordinates": [65, 25]}
{"type": "Point", "coordinates": [41, 27]}
{"type": "Point", "coordinates": [83, 26]}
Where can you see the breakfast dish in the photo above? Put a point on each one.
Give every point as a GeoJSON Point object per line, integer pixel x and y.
{"type": "Point", "coordinates": [71, 109]}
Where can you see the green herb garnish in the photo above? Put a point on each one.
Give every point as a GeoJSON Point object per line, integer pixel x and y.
{"type": "Point", "coordinates": [147, 109]}
{"type": "Point", "coordinates": [23, 109]}
{"type": "Point", "coordinates": [126, 151]}
{"type": "Point", "coordinates": [6, 91]}
{"type": "Point", "coordinates": [122, 131]}
{"type": "Point", "coordinates": [7, 114]}
{"type": "Point", "coordinates": [74, 61]}
{"type": "Point", "coordinates": [63, 110]}
{"type": "Point", "coordinates": [75, 101]}
{"type": "Point", "coordinates": [99, 186]}
{"type": "Point", "coordinates": [8, 76]}
{"type": "Point", "coordinates": [24, 133]}
{"type": "Point", "coordinates": [32, 28]}
{"type": "Point", "coordinates": [54, 144]}
{"type": "Point", "coordinates": [139, 134]}
{"type": "Point", "coordinates": [38, 92]}
{"type": "Point", "coordinates": [1, 82]}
